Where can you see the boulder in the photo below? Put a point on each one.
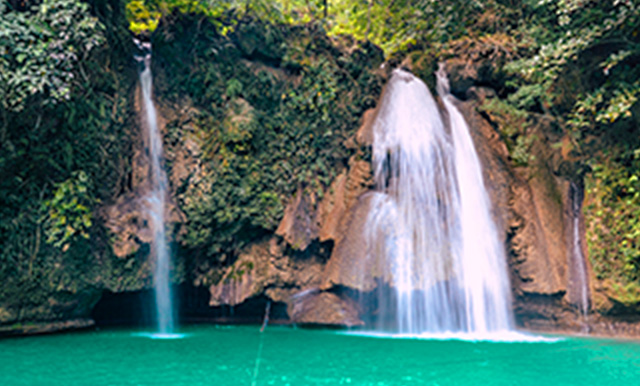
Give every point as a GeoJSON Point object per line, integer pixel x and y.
{"type": "Point", "coordinates": [325, 308]}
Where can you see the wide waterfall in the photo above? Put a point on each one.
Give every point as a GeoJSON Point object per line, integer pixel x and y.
{"type": "Point", "coordinates": [430, 223]}
{"type": "Point", "coordinates": [156, 202]}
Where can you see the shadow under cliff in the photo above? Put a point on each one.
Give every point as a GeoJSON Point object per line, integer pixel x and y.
{"type": "Point", "coordinates": [137, 309]}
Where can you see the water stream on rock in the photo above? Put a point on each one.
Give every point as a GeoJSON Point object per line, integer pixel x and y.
{"type": "Point", "coordinates": [430, 223]}
{"type": "Point", "coordinates": [579, 276]}
{"type": "Point", "coordinates": [156, 203]}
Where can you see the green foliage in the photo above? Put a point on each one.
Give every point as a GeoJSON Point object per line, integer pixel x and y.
{"type": "Point", "coordinates": [266, 130]}
{"type": "Point", "coordinates": [513, 124]}
{"type": "Point", "coordinates": [581, 65]}
{"type": "Point", "coordinates": [596, 42]}
{"type": "Point", "coordinates": [395, 25]}
{"type": "Point", "coordinates": [275, 100]}
{"type": "Point", "coordinates": [40, 50]}
{"type": "Point", "coordinates": [141, 19]}
{"type": "Point", "coordinates": [68, 212]}
{"type": "Point", "coordinates": [391, 24]}
{"type": "Point", "coordinates": [614, 215]}
{"type": "Point", "coordinates": [57, 140]}
{"type": "Point", "coordinates": [145, 15]}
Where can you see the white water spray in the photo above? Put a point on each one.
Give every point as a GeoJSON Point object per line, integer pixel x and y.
{"type": "Point", "coordinates": [430, 224]}
{"type": "Point", "coordinates": [156, 204]}
{"type": "Point", "coordinates": [484, 270]}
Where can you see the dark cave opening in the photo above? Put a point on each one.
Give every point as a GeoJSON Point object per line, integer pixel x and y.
{"type": "Point", "coordinates": [137, 309]}
{"type": "Point", "coordinates": [134, 309]}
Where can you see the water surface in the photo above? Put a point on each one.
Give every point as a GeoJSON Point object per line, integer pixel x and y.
{"type": "Point", "coordinates": [216, 355]}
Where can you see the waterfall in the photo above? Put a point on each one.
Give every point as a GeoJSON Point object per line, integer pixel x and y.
{"type": "Point", "coordinates": [430, 222]}
{"type": "Point", "coordinates": [486, 283]}
{"type": "Point", "coordinates": [156, 200]}
{"type": "Point", "coordinates": [579, 280]}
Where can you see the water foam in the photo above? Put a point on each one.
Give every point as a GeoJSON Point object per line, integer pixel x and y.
{"type": "Point", "coordinates": [430, 224]}
{"type": "Point", "coordinates": [160, 336]}
{"type": "Point", "coordinates": [505, 336]}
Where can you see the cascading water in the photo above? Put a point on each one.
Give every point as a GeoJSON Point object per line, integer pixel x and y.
{"type": "Point", "coordinates": [484, 270]}
{"type": "Point", "coordinates": [156, 201]}
{"type": "Point", "coordinates": [579, 294]}
{"type": "Point", "coordinates": [430, 221]}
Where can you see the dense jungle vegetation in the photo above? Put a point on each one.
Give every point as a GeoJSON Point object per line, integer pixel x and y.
{"type": "Point", "coordinates": [65, 120]}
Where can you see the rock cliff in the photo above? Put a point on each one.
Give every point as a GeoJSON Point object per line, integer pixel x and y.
{"type": "Point", "coordinates": [267, 136]}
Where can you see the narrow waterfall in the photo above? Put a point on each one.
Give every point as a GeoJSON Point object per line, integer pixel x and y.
{"type": "Point", "coordinates": [156, 201]}
{"type": "Point", "coordinates": [483, 260]}
{"type": "Point", "coordinates": [430, 221]}
{"type": "Point", "coordinates": [578, 266]}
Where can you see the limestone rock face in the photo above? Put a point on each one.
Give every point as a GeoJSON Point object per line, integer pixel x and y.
{"type": "Point", "coordinates": [349, 265]}
{"type": "Point", "coordinates": [125, 218]}
{"type": "Point", "coordinates": [529, 205]}
{"type": "Point", "coordinates": [533, 207]}
{"type": "Point", "coordinates": [127, 223]}
{"type": "Point", "coordinates": [364, 135]}
{"type": "Point", "coordinates": [183, 146]}
{"type": "Point", "coordinates": [540, 244]}
{"type": "Point", "coordinates": [263, 267]}
{"type": "Point", "coordinates": [128, 218]}
{"type": "Point", "coordinates": [300, 277]}
{"type": "Point", "coordinates": [479, 62]}
{"type": "Point", "coordinates": [335, 210]}
{"type": "Point", "coordinates": [332, 208]}
{"type": "Point", "coordinates": [325, 308]}
{"type": "Point", "coordinates": [298, 226]}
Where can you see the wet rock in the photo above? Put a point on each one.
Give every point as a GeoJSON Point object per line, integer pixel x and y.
{"type": "Point", "coordinates": [325, 308]}
{"type": "Point", "coordinates": [128, 225]}
{"type": "Point", "coordinates": [342, 195]}
{"type": "Point", "coordinates": [45, 327]}
{"type": "Point", "coordinates": [349, 265]}
{"type": "Point", "coordinates": [262, 268]}
{"type": "Point", "coordinates": [298, 226]}
{"type": "Point", "coordinates": [364, 135]}
{"type": "Point", "coordinates": [246, 278]}
{"type": "Point", "coordinates": [529, 204]}
{"type": "Point", "coordinates": [128, 218]}
{"type": "Point", "coordinates": [301, 224]}
{"type": "Point", "coordinates": [479, 62]}
{"type": "Point", "coordinates": [332, 208]}
{"type": "Point", "coordinates": [6, 315]}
